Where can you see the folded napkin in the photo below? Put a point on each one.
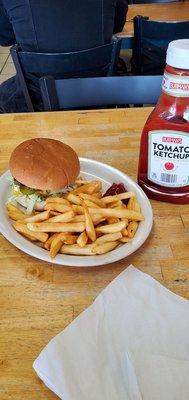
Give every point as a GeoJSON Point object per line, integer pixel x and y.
{"type": "Point", "coordinates": [132, 343]}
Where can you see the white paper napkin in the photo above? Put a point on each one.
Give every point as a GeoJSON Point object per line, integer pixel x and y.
{"type": "Point", "coordinates": [132, 343]}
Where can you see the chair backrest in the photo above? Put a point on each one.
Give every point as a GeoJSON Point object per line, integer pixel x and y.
{"type": "Point", "coordinates": [151, 39]}
{"type": "Point", "coordinates": [30, 66]}
{"type": "Point", "coordinates": [90, 92]}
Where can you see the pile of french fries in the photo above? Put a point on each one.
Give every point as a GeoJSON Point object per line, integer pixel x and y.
{"type": "Point", "coordinates": [82, 222]}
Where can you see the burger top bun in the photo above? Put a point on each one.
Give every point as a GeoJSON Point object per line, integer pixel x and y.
{"type": "Point", "coordinates": [44, 164]}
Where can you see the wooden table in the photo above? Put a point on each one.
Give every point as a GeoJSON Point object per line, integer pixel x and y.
{"type": "Point", "coordinates": [160, 11]}
{"type": "Point", "coordinates": [38, 299]}
{"type": "Point", "coordinates": [155, 11]}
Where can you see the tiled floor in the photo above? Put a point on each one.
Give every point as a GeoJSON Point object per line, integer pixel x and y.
{"type": "Point", "coordinates": [6, 64]}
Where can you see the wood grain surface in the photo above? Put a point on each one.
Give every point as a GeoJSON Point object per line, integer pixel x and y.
{"type": "Point", "coordinates": [37, 299]}
{"type": "Point", "coordinates": [157, 12]}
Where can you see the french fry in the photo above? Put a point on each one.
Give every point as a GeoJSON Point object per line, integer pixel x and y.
{"type": "Point", "coordinates": [53, 213]}
{"type": "Point", "coordinates": [56, 244]}
{"type": "Point", "coordinates": [14, 212]}
{"type": "Point", "coordinates": [57, 207]}
{"type": "Point", "coordinates": [104, 247]}
{"type": "Point", "coordinates": [133, 204]}
{"type": "Point", "coordinates": [126, 220]}
{"type": "Point", "coordinates": [111, 228]}
{"type": "Point", "coordinates": [42, 216]}
{"type": "Point", "coordinates": [97, 219]}
{"type": "Point", "coordinates": [109, 237]}
{"type": "Point", "coordinates": [89, 226]}
{"type": "Point", "coordinates": [75, 249]}
{"type": "Point", "coordinates": [136, 205]}
{"type": "Point", "coordinates": [117, 203]}
{"type": "Point", "coordinates": [56, 227]}
{"type": "Point", "coordinates": [112, 220]}
{"type": "Point", "coordinates": [98, 195]}
{"type": "Point", "coordinates": [12, 207]}
{"type": "Point", "coordinates": [89, 188]}
{"type": "Point", "coordinates": [95, 187]}
{"type": "Point", "coordinates": [89, 203]}
{"type": "Point", "coordinates": [66, 238]}
{"type": "Point", "coordinates": [79, 218]}
{"type": "Point", "coordinates": [132, 228]}
{"type": "Point", "coordinates": [77, 201]}
{"type": "Point", "coordinates": [20, 227]}
{"type": "Point", "coordinates": [125, 239]}
{"type": "Point", "coordinates": [66, 217]}
{"type": "Point", "coordinates": [130, 204]}
{"type": "Point", "coordinates": [82, 239]}
{"type": "Point", "coordinates": [116, 197]}
{"type": "Point", "coordinates": [92, 198]}
{"type": "Point", "coordinates": [116, 212]}
{"type": "Point", "coordinates": [124, 232]}
{"type": "Point", "coordinates": [74, 199]}
{"type": "Point", "coordinates": [29, 237]}
{"type": "Point", "coordinates": [77, 209]}
{"type": "Point", "coordinates": [16, 216]}
{"type": "Point", "coordinates": [70, 239]}
{"type": "Point", "coordinates": [81, 182]}
{"type": "Point", "coordinates": [59, 200]}
{"type": "Point", "coordinates": [48, 242]}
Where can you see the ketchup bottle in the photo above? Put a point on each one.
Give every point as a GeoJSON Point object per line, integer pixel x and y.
{"type": "Point", "coordinates": [163, 170]}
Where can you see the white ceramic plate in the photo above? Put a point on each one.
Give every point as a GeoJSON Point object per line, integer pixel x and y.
{"type": "Point", "coordinates": [90, 169]}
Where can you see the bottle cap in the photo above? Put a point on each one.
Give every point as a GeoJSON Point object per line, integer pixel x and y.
{"type": "Point", "coordinates": [178, 54]}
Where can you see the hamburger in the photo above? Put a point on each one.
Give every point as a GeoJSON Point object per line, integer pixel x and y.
{"type": "Point", "coordinates": [41, 168]}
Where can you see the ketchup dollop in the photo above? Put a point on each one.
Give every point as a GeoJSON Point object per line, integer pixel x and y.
{"type": "Point", "coordinates": [116, 188]}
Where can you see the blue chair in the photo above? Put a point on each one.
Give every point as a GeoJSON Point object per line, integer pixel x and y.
{"type": "Point", "coordinates": [31, 66]}
{"type": "Point", "coordinates": [92, 92]}
{"type": "Point", "coordinates": [151, 39]}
